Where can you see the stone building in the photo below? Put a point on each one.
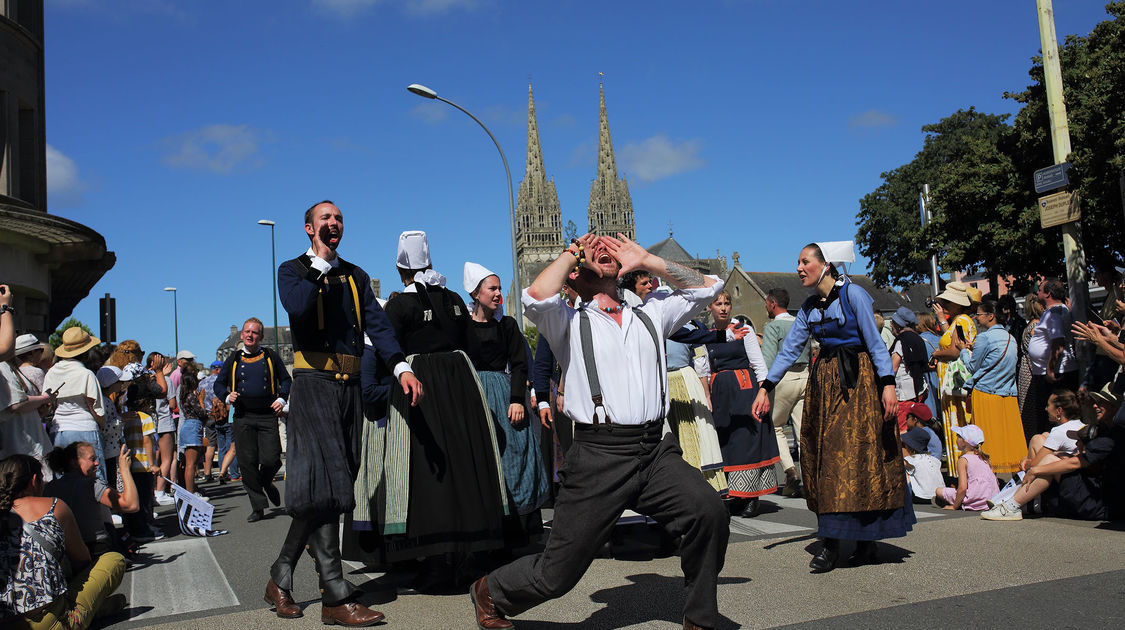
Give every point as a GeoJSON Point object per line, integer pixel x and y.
{"type": "Point", "coordinates": [233, 343]}
{"type": "Point", "coordinates": [50, 262]}
{"type": "Point", "coordinates": [611, 208]}
{"type": "Point", "coordinates": [539, 237]}
{"type": "Point", "coordinates": [748, 292]}
{"type": "Point", "coordinates": [670, 249]}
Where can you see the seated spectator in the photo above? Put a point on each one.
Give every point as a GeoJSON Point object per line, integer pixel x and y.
{"type": "Point", "coordinates": [1065, 413]}
{"type": "Point", "coordinates": [37, 534]}
{"type": "Point", "coordinates": [77, 484]}
{"type": "Point", "coordinates": [918, 416]}
{"type": "Point", "coordinates": [976, 483]}
{"type": "Point", "coordinates": [923, 470]}
{"type": "Point", "coordinates": [140, 438]}
{"type": "Point", "coordinates": [1088, 485]}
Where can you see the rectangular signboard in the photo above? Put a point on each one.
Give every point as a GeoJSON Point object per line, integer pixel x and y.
{"type": "Point", "coordinates": [1059, 208]}
{"type": "Point", "coordinates": [1052, 177]}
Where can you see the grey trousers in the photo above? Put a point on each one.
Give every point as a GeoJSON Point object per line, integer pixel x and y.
{"type": "Point", "coordinates": [610, 468]}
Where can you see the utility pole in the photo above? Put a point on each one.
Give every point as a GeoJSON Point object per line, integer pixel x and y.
{"type": "Point", "coordinates": [927, 216]}
{"type": "Point", "coordinates": [1060, 141]}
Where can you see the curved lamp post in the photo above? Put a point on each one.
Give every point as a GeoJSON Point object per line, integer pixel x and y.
{"type": "Point", "coordinates": [175, 316]}
{"type": "Point", "coordinates": [426, 92]}
{"type": "Point", "coordinates": [273, 283]}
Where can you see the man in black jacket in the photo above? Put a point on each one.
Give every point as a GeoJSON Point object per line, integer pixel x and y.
{"type": "Point", "coordinates": [255, 382]}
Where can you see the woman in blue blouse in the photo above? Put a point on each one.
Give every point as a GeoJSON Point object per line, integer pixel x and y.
{"type": "Point", "coordinates": [850, 450]}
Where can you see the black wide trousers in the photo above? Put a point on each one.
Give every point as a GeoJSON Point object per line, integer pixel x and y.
{"type": "Point", "coordinates": [258, 445]}
{"type": "Point", "coordinates": [610, 468]}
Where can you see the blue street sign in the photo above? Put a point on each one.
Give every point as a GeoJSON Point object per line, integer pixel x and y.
{"type": "Point", "coordinates": [1051, 177]}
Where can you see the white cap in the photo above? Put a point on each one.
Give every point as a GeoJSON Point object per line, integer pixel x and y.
{"type": "Point", "coordinates": [413, 250]}
{"type": "Point", "coordinates": [474, 275]}
{"type": "Point", "coordinates": [108, 375]}
{"type": "Point", "coordinates": [132, 371]}
{"type": "Point", "coordinates": [28, 343]}
{"type": "Point", "coordinates": [838, 253]}
{"type": "Point", "coordinates": [185, 354]}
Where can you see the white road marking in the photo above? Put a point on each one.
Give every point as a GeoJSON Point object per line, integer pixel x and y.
{"type": "Point", "coordinates": [184, 576]}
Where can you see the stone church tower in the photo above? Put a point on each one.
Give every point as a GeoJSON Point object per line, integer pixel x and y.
{"type": "Point", "coordinates": [611, 207]}
{"type": "Point", "coordinates": [539, 237]}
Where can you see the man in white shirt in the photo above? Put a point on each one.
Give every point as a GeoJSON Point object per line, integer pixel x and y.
{"type": "Point", "coordinates": [788, 398]}
{"type": "Point", "coordinates": [612, 359]}
{"type": "Point", "coordinates": [1051, 349]}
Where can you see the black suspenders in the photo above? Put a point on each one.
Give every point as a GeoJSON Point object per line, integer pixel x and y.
{"type": "Point", "coordinates": [592, 367]}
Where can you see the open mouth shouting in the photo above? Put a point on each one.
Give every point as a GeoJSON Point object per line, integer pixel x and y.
{"type": "Point", "coordinates": [330, 236]}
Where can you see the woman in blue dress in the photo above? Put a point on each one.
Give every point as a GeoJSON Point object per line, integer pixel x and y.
{"type": "Point", "coordinates": [851, 456]}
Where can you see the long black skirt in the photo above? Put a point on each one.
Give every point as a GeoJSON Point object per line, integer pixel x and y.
{"type": "Point", "coordinates": [320, 461]}
{"type": "Point", "coordinates": [456, 501]}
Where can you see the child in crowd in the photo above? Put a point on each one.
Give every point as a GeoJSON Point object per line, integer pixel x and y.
{"type": "Point", "coordinates": [140, 438]}
{"type": "Point", "coordinates": [918, 415]}
{"type": "Point", "coordinates": [923, 470]}
{"type": "Point", "coordinates": [976, 482]}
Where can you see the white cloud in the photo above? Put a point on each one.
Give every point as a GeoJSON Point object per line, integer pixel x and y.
{"type": "Point", "coordinates": [658, 157]}
{"type": "Point", "coordinates": [873, 118]}
{"type": "Point", "coordinates": [64, 187]}
{"type": "Point", "coordinates": [218, 148]}
{"type": "Point", "coordinates": [420, 8]}
{"type": "Point", "coordinates": [429, 112]}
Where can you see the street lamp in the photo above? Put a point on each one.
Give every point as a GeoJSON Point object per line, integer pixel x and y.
{"type": "Point", "coordinates": [175, 316]}
{"type": "Point", "coordinates": [426, 92]}
{"type": "Point", "coordinates": [273, 283]}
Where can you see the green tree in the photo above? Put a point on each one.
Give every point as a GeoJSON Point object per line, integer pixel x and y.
{"type": "Point", "coordinates": [532, 335]}
{"type": "Point", "coordinates": [1093, 76]}
{"type": "Point", "coordinates": [570, 231]}
{"type": "Point", "coordinates": [981, 218]}
{"type": "Point", "coordinates": [56, 337]}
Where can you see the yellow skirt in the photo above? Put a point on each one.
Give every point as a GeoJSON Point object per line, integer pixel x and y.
{"type": "Point", "coordinates": [999, 418]}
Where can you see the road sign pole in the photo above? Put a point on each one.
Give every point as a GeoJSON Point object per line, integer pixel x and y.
{"type": "Point", "coordinates": [1060, 141]}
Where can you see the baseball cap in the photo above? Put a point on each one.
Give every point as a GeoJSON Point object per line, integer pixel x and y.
{"type": "Point", "coordinates": [971, 433]}
{"type": "Point", "coordinates": [216, 364]}
{"type": "Point", "coordinates": [185, 354]}
{"type": "Point", "coordinates": [108, 375]}
{"type": "Point", "coordinates": [917, 409]}
{"type": "Point", "coordinates": [917, 439]}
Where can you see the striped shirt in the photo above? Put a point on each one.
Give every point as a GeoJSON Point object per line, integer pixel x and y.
{"type": "Point", "coordinates": [137, 426]}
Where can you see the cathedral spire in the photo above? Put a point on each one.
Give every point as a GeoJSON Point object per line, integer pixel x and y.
{"type": "Point", "coordinates": [611, 208]}
{"type": "Point", "coordinates": [535, 165]}
{"type": "Point", "coordinates": [539, 236]}
{"type": "Point", "coordinates": [607, 164]}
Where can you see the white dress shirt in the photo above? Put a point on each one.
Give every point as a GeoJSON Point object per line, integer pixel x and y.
{"type": "Point", "coordinates": [630, 366]}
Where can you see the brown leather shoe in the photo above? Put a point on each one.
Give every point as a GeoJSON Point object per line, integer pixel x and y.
{"type": "Point", "coordinates": [350, 615]}
{"type": "Point", "coordinates": [282, 601]}
{"type": "Point", "coordinates": [487, 617]}
{"type": "Point", "coordinates": [690, 625]}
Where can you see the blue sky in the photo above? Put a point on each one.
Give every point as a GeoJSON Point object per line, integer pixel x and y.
{"type": "Point", "coordinates": [752, 126]}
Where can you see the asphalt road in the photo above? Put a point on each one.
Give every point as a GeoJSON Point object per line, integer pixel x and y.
{"type": "Point", "coordinates": [953, 570]}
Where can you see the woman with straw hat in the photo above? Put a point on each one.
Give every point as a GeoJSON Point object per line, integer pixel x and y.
{"type": "Point", "coordinates": [953, 306]}
{"type": "Point", "coordinates": [81, 410]}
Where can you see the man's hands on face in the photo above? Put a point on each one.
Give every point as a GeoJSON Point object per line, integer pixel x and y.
{"type": "Point", "coordinates": [320, 244]}
{"type": "Point", "coordinates": [630, 255]}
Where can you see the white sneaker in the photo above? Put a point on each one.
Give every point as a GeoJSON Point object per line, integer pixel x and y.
{"type": "Point", "coordinates": [163, 498]}
{"type": "Point", "coordinates": [1002, 512]}
{"type": "Point", "coordinates": [207, 499]}
{"type": "Point", "coordinates": [117, 522]}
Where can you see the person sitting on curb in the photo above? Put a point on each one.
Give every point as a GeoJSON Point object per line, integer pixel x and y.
{"type": "Point", "coordinates": [77, 484]}
{"type": "Point", "coordinates": [1087, 486]}
{"type": "Point", "coordinates": [923, 470]}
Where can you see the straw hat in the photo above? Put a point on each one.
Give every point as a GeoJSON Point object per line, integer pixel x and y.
{"type": "Point", "coordinates": [956, 293]}
{"type": "Point", "coordinates": [976, 296]}
{"type": "Point", "coordinates": [75, 341]}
